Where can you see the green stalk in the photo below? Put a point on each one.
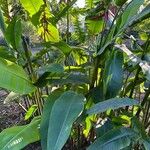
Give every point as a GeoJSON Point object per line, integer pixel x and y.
{"type": "Point", "coordinates": [68, 23]}
{"type": "Point", "coordinates": [95, 72]}
{"type": "Point", "coordinates": [36, 96]}
{"type": "Point", "coordinates": [143, 102]}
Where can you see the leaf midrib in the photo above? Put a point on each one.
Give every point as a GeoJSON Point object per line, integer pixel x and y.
{"type": "Point", "coordinates": [28, 126]}
{"type": "Point", "coordinates": [64, 122]}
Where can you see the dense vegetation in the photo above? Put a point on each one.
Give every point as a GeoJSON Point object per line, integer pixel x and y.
{"type": "Point", "coordinates": [82, 75]}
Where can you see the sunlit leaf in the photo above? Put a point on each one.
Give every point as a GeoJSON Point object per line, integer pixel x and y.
{"type": "Point", "coordinates": [32, 6]}
{"type": "Point", "coordinates": [95, 26]}
{"type": "Point", "coordinates": [31, 111]}
{"type": "Point", "coordinates": [14, 78]}
{"type": "Point", "coordinates": [51, 33]}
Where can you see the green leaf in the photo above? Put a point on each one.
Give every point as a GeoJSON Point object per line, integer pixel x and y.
{"type": "Point", "coordinates": [46, 29]}
{"type": "Point", "coordinates": [73, 78]}
{"type": "Point", "coordinates": [2, 23]}
{"type": "Point", "coordinates": [113, 75]}
{"type": "Point", "coordinates": [144, 14]}
{"type": "Point", "coordinates": [36, 18]}
{"type": "Point", "coordinates": [146, 144]}
{"type": "Point", "coordinates": [136, 60]}
{"type": "Point", "coordinates": [32, 6]}
{"type": "Point", "coordinates": [78, 78]}
{"type": "Point", "coordinates": [115, 139]}
{"type": "Point", "coordinates": [51, 33]}
{"type": "Point", "coordinates": [88, 126]}
{"type": "Point", "coordinates": [95, 27]}
{"type": "Point", "coordinates": [5, 53]}
{"type": "Point", "coordinates": [46, 114]}
{"type": "Point", "coordinates": [138, 127]}
{"type": "Point", "coordinates": [106, 127]}
{"type": "Point", "coordinates": [31, 111]}
{"type": "Point", "coordinates": [14, 78]}
{"type": "Point", "coordinates": [113, 103]}
{"type": "Point", "coordinates": [48, 70]}
{"type": "Point", "coordinates": [128, 17]}
{"type": "Point", "coordinates": [16, 138]}
{"type": "Point", "coordinates": [65, 111]}
{"type": "Point", "coordinates": [64, 11]}
{"type": "Point", "coordinates": [51, 68]}
{"type": "Point", "coordinates": [129, 13]}
{"type": "Point", "coordinates": [61, 45]}
{"type": "Point", "coordinates": [89, 3]}
{"type": "Point", "coordinates": [5, 7]}
{"type": "Point", "coordinates": [64, 47]}
{"type": "Point", "coordinates": [13, 33]}
{"type": "Point", "coordinates": [143, 36]}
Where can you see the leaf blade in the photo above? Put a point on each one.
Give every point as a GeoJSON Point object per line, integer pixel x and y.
{"type": "Point", "coordinates": [113, 103]}
{"type": "Point", "coordinates": [115, 139]}
{"type": "Point", "coordinates": [14, 78]}
{"type": "Point", "coordinates": [18, 137]}
{"type": "Point", "coordinates": [61, 128]}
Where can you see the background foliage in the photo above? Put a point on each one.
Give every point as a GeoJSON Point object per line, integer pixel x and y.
{"type": "Point", "coordinates": [83, 74]}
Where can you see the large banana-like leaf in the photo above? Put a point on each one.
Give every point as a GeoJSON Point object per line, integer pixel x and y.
{"type": "Point", "coordinates": [14, 78]}
{"type": "Point", "coordinates": [64, 112]}
{"type": "Point", "coordinates": [48, 70]}
{"type": "Point", "coordinates": [16, 138]}
{"type": "Point", "coordinates": [115, 139]}
{"type": "Point", "coordinates": [113, 103]}
{"type": "Point", "coordinates": [130, 12]}
{"type": "Point", "coordinates": [14, 32]}
{"type": "Point", "coordinates": [113, 75]}
{"type": "Point", "coordinates": [129, 16]}
{"type": "Point", "coordinates": [46, 113]}
{"type": "Point", "coordinates": [32, 6]}
{"type": "Point", "coordinates": [144, 14]}
{"type": "Point", "coordinates": [46, 29]}
{"type": "Point", "coordinates": [52, 33]}
{"type": "Point", "coordinates": [51, 68]}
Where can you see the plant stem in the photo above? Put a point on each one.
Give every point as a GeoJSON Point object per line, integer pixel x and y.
{"type": "Point", "coordinates": [95, 72]}
{"type": "Point", "coordinates": [143, 102]}
{"type": "Point", "coordinates": [135, 81]}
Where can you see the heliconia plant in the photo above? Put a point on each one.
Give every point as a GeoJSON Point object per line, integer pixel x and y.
{"type": "Point", "coordinates": [88, 84]}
